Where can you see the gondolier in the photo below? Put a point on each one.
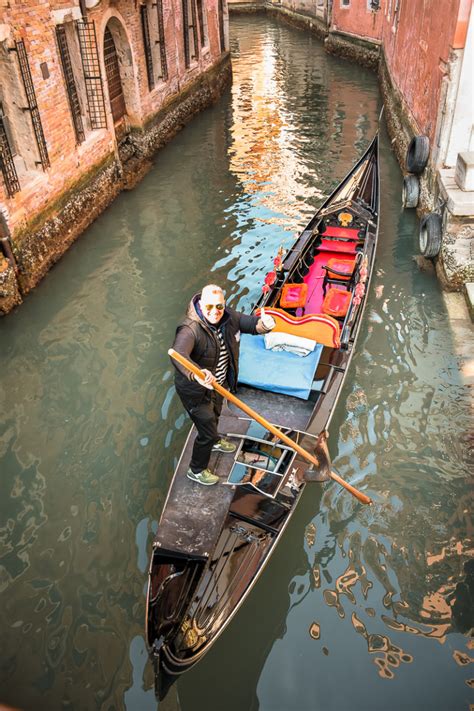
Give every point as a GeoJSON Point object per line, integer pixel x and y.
{"type": "Point", "coordinates": [209, 336]}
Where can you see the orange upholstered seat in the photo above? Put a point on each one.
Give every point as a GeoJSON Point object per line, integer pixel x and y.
{"type": "Point", "coordinates": [318, 327]}
{"type": "Point", "coordinates": [343, 268]}
{"type": "Point", "coordinates": [336, 302]}
{"type": "Point", "coordinates": [293, 296]}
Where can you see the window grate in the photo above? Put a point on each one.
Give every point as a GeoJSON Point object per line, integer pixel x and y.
{"type": "Point", "coordinates": [189, 23]}
{"type": "Point", "coordinates": [220, 10]}
{"type": "Point", "coordinates": [187, 57]}
{"type": "Point", "coordinates": [201, 22]}
{"type": "Point", "coordinates": [147, 46]}
{"type": "Point", "coordinates": [7, 165]}
{"type": "Point", "coordinates": [161, 30]}
{"type": "Point", "coordinates": [70, 83]}
{"type": "Point", "coordinates": [195, 36]}
{"type": "Point", "coordinates": [92, 76]}
{"type": "Point", "coordinates": [32, 105]}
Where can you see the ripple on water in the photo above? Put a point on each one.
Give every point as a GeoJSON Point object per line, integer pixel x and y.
{"type": "Point", "coordinates": [85, 374]}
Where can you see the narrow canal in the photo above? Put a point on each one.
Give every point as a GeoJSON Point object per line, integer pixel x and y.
{"type": "Point", "coordinates": [360, 608]}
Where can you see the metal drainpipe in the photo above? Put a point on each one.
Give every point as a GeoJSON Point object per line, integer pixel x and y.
{"type": "Point", "coordinates": [5, 242]}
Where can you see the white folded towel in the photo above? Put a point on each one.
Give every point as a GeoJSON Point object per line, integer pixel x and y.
{"type": "Point", "coordinates": [287, 342]}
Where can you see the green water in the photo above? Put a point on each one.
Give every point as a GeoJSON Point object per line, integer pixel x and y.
{"type": "Point", "coordinates": [360, 608]}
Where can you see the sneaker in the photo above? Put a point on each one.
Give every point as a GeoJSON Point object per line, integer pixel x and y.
{"type": "Point", "coordinates": [205, 477]}
{"type": "Point", "coordinates": [223, 445]}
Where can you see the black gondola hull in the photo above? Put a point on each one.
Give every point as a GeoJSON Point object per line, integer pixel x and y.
{"type": "Point", "coordinates": [214, 542]}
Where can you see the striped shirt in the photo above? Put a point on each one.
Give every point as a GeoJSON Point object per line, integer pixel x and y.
{"type": "Point", "coordinates": [223, 362]}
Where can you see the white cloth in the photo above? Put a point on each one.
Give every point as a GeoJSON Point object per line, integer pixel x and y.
{"type": "Point", "coordinates": [287, 342]}
{"type": "Point", "coordinates": [268, 322]}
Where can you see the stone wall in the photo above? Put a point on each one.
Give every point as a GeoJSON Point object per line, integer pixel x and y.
{"type": "Point", "coordinates": [78, 177]}
{"type": "Point", "coordinates": [364, 52]}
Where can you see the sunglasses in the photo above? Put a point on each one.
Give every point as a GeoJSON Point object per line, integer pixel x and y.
{"type": "Point", "coordinates": [219, 307]}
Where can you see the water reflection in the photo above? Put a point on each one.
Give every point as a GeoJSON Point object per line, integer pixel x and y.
{"type": "Point", "coordinates": [91, 428]}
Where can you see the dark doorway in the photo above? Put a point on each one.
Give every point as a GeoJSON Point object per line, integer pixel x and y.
{"type": "Point", "coordinates": [117, 100]}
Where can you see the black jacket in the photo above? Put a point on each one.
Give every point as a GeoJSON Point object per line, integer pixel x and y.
{"type": "Point", "coordinates": [197, 341]}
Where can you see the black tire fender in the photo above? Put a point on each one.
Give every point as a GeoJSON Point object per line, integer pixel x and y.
{"type": "Point", "coordinates": [417, 154]}
{"type": "Point", "coordinates": [410, 191]}
{"type": "Point", "coordinates": [430, 235]}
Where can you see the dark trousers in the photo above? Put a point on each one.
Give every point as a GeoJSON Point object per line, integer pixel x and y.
{"type": "Point", "coordinates": [205, 417]}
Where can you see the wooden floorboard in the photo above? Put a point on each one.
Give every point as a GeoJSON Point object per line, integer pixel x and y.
{"type": "Point", "coordinates": [194, 514]}
{"type": "Point", "coordinates": [280, 410]}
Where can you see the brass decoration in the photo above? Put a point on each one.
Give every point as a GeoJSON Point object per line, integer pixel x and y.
{"type": "Point", "coordinates": [345, 219]}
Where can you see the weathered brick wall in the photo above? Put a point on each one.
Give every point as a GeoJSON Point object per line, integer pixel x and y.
{"type": "Point", "coordinates": [417, 41]}
{"type": "Point", "coordinates": [34, 23]}
{"type": "Point", "coordinates": [357, 19]}
{"type": "Point", "coordinates": [37, 208]}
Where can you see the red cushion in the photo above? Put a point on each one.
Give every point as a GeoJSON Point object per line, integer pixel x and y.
{"type": "Point", "coordinates": [336, 302]}
{"type": "Point", "coordinates": [347, 232]}
{"type": "Point", "coordinates": [293, 296]}
{"type": "Point", "coordinates": [337, 245]}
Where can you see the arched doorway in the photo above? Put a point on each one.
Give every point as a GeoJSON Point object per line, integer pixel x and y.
{"type": "Point", "coordinates": [114, 82]}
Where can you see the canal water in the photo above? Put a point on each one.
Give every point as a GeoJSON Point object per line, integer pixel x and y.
{"type": "Point", "coordinates": [360, 608]}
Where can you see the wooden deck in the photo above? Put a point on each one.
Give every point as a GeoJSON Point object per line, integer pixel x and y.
{"type": "Point", "coordinates": [195, 514]}
{"type": "Point", "coordinates": [280, 410]}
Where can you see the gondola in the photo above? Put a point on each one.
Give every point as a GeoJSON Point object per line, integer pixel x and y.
{"type": "Point", "coordinates": [212, 543]}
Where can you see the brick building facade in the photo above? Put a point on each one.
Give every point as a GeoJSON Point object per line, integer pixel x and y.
{"type": "Point", "coordinates": [89, 90]}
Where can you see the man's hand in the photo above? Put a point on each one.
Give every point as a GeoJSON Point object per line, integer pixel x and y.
{"type": "Point", "coordinates": [268, 322]}
{"type": "Point", "coordinates": [208, 381]}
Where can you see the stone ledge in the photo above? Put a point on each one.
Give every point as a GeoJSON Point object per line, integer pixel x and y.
{"type": "Point", "coordinates": [469, 294]}
{"type": "Point", "coordinates": [459, 202]}
{"type": "Point", "coordinates": [461, 329]}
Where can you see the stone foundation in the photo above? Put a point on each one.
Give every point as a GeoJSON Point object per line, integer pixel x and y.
{"type": "Point", "coordinates": [39, 243]}
{"type": "Point", "coordinates": [299, 19]}
{"type": "Point", "coordinates": [357, 50]}
{"type": "Point", "coordinates": [455, 266]}
{"type": "Point", "coordinates": [9, 293]}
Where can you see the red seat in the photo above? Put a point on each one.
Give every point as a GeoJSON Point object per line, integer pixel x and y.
{"type": "Point", "coordinates": [345, 267]}
{"type": "Point", "coordinates": [344, 232]}
{"type": "Point", "coordinates": [336, 302]}
{"type": "Point", "coordinates": [338, 245]}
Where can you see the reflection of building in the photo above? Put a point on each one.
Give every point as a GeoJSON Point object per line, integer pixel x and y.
{"type": "Point", "coordinates": [424, 56]}
{"type": "Point", "coordinates": [88, 89]}
{"type": "Point", "coordinates": [263, 150]}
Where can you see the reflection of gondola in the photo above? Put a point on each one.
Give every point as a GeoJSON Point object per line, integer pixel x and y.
{"type": "Point", "coordinates": [212, 543]}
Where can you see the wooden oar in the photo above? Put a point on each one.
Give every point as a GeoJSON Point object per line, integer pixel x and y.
{"type": "Point", "coordinates": [271, 428]}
